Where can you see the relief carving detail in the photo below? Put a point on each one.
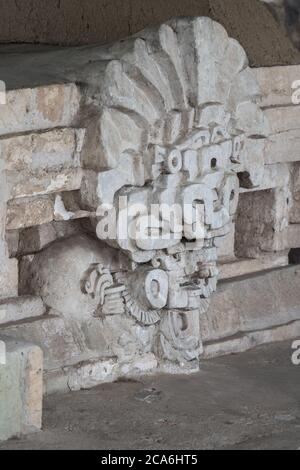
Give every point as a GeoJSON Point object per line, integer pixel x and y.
{"type": "Point", "coordinates": [175, 130]}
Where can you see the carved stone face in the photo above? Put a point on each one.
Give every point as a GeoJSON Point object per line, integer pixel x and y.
{"type": "Point", "coordinates": [174, 129]}
{"type": "Point", "coordinates": [177, 124]}
{"type": "Point", "coordinates": [195, 180]}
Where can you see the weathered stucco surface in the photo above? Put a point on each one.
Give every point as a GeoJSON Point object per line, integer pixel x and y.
{"type": "Point", "coordinates": [68, 22]}
{"type": "Point", "coordinates": [144, 118]}
{"type": "Point", "coordinates": [172, 115]}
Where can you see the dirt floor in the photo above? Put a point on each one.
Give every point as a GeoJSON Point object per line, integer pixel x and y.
{"type": "Point", "coordinates": [246, 401]}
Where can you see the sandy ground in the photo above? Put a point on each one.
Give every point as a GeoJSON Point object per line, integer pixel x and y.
{"type": "Point", "coordinates": [245, 401]}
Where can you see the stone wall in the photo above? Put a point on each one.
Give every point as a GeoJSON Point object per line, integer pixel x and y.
{"type": "Point", "coordinates": [155, 124]}
{"type": "Point", "coordinates": [145, 120]}
{"type": "Point", "coordinates": [21, 388]}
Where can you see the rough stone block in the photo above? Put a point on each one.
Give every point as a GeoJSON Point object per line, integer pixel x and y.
{"type": "Point", "coordinates": [21, 389]}
{"type": "Point", "coordinates": [8, 267]}
{"type": "Point", "coordinates": [242, 267]}
{"type": "Point", "coordinates": [26, 212]}
{"type": "Point", "coordinates": [32, 211]}
{"type": "Point", "coordinates": [34, 239]}
{"type": "Point", "coordinates": [9, 278]}
{"type": "Point", "coordinates": [52, 335]}
{"type": "Point", "coordinates": [276, 84]}
{"type": "Point", "coordinates": [283, 119]}
{"type": "Point", "coordinates": [244, 342]}
{"type": "Point", "coordinates": [261, 222]}
{"type": "Point", "coordinates": [19, 308]}
{"type": "Point", "coordinates": [226, 249]}
{"type": "Point", "coordinates": [172, 117]}
{"type": "Point", "coordinates": [12, 240]}
{"type": "Point", "coordinates": [39, 108]}
{"type": "Point", "coordinates": [43, 151]}
{"type": "Point", "coordinates": [282, 147]}
{"type": "Point", "coordinates": [88, 374]}
{"type": "Point", "coordinates": [260, 302]}
{"type": "Point", "coordinates": [274, 176]}
{"type": "Point", "coordinates": [91, 373]}
{"type": "Point", "coordinates": [25, 185]}
{"type": "Point", "coordinates": [293, 236]}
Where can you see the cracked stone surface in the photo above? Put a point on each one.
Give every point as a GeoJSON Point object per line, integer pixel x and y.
{"type": "Point", "coordinates": [172, 115]}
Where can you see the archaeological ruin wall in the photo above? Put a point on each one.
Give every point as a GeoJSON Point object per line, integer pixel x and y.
{"type": "Point", "coordinates": [95, 139]}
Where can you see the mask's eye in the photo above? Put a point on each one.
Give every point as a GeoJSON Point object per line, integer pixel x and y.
{"type": "Point", "coordinates": [213, 163]}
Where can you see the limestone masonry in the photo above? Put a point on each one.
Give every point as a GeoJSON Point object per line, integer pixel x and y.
{"type": "Point", "coordinates": [92, 139]}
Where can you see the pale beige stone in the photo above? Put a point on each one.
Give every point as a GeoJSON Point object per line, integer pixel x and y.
{"type": "Point", "coordinates": [292, 236]}
{"type": "Point", "coordinates": [283, 147]}
{"type": "Point", "coordinates": [32, 211]}
{"type": "Point", "coordinates": [21, 308]}
{"type": "Point", "coordinates": [266, 300]}
{"type": "Point", "coordinates": [276, 84]}
{"type": "Point", "coordinates": [283, 118]}
{"type": "Point", "coordinates": [92, 373]}
{"type": "Point", "coordinates": [33, 397]}
{"type": "Point", "coordinates": [8, 267]}
{"type": "Point", "coordinates": [24, 184]}
{"type": "Point", "coordinates": [243, 86]}
{"type": "Point", "coordinates": [44, 151]}
{"type": "Point", "coordinates": [274, 176]}
{"type": "Point", "coordinates": [252, 163]}
{"type": "Point", "coordinates": [244, 342]}
{"type": "Point", "coordinates": [34, 239]}
{"type": "Point", "coordinates": [252, 120]}
{"type": "Point", "coordinates": [42, 163]}
{"type": "Point", "coordinates": [261, 222]}
{"type": "Point", "coordinates": [39, 108]}
{"type": "Point", "coordinates": [21, 389]}
{"type": "Point", "coordinates": [53, 335]}
{"type": "Point", "coordinates": [26, 212]}
{"type": "Point", "coordinates": [172, 117]}
{"type": "Point", "coordinates": [12, 240]}
{"type": "Point", "coordinates": [226, 248]}
{"type": "Point", "coordinates": [9, 278]}
{"type": "Point", "coordinates": [241, 267]}
{"type": "Point", "coordinates": [9, 274]}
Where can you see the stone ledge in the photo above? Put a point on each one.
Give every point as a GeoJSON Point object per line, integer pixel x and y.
{"type": "Point", "coordinates": [274, 176]}
{"type": "Point", "coordinates": [51, 334]}
{"type": "Point", "coordinates": [40, 108]}
{"type": "Point", "coordinates": [9, 278]}
{"type": "Point", "coordinates": [40, 183]}
{"type": "Point", "coordinates": [276, 84]}
{"type": "Point", "coordinates": [19, 308]}
{"type": "Point", "coordinates": [241, 267]}
{"type": "Point", "coordinates": [282, 147]}
{"type": "Point", "coordinates": [255, 302]}
{"type": "Point", "coordinates": [93, 372]}
{"type": "Point", "coordinates": [33, 211]}
{"type": "Point", "coordinates": [21, 389]}
{"type": "Point", "coordinates": [48, 150]}
{"type": "Point", "coordinates": [283, 119]}
{"type": "Point", "coordinates": [244, 342]}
